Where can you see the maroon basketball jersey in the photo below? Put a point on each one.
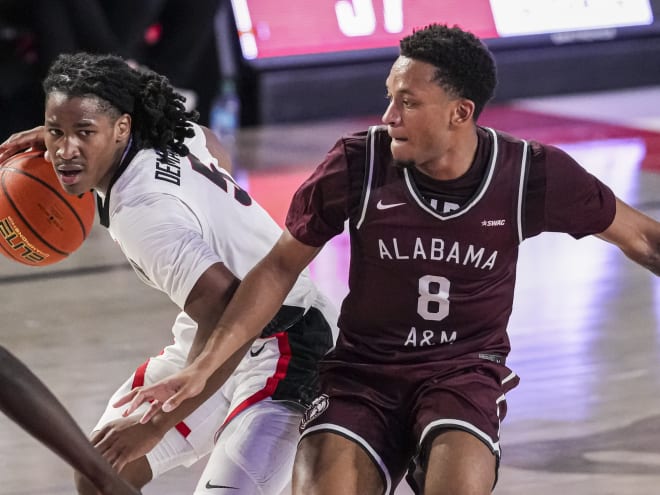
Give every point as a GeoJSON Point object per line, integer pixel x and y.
{"type": "Point", "coordinates": [427, 285]}
{"type": "Point", "coordinates": [430, 278]}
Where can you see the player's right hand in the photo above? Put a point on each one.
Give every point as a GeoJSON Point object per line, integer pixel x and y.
{"type": "Point", "coordinates": [166, 394]}
{"type": "Point", "coordinates": [21, 141]}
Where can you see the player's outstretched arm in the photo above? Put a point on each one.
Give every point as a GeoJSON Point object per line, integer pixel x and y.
{"type": "Point", "coordinates": [256, 301]}
{"type": "Point", "coordinates": [26, 400]}
{"type": "Point", "coordinates": [20, 141]}
{"type": "Point", "coordinates": [636, 234]}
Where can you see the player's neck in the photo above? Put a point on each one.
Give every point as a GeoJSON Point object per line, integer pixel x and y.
{"type": "Point", "coordinates": [455, 160]}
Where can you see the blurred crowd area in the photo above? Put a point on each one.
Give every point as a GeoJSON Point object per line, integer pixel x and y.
{"type": "Point", "coordinates": [173, 37]}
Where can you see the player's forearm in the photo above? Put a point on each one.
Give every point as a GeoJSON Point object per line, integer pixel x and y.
{"type": "Point", "coordinates": [255, 303]}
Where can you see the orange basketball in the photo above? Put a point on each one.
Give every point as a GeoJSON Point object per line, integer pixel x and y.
{"type": "Point", "coordinates": [40, 223]}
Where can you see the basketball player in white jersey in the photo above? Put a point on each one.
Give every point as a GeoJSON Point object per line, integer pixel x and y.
{"type": "Point", "coordinates": [190, 231]}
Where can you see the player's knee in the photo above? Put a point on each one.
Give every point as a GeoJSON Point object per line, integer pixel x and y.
{"type": "Point", "coordinates": [327, 463]}
{"type": "Point", "coordinates": [459, 463]}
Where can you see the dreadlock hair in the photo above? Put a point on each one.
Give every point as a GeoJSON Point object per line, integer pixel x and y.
{"type": "Point", "coordinates": [464, 66]}
{"type": "Point", "coordinates": [159, 118]}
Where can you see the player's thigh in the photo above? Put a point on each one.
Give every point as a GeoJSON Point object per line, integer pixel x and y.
{"type": "Point", "coordinates": [459, 463]}
{"type": "Point", "coordinates": [254, 452]}
{"type": "Point", "coordinates": [328, 464]}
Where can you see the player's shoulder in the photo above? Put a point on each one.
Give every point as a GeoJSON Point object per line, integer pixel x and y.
{"type": "Point", "coordinates": [358, 143]}
{"type": "Point", "coordinates": [502, 136]}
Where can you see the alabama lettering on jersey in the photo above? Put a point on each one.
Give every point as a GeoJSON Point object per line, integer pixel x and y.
{"type": "Point", "coordinates": [433, 284]}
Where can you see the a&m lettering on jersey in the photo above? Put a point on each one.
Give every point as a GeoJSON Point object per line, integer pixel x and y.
{"type": "Point", "coordinates": [17, 242]}
{"type": "Point", "coordinates": [420, 338]}
{"type": "Point", "coordinates": [435, 249]}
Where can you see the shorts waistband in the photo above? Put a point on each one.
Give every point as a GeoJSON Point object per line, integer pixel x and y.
{"type": "Point", "coordinates": [490, 356]}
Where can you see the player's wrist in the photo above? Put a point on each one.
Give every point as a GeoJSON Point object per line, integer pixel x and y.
{"type": "Point", "coordinates": [162, 422]}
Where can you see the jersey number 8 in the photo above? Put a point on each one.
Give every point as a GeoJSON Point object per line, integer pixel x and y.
{"type": "Point", "coordinates": [433, 300]}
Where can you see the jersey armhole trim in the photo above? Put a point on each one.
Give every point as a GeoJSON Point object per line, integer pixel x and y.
{"type": "Point", "coordinates": [522, 188]}
{"type": "Point", "coordinates": [369, 164]}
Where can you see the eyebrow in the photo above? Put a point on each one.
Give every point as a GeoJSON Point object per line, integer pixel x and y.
{"type": "Point", "coordinates": [78, 125]}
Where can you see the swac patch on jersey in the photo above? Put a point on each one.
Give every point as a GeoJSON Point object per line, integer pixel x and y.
{"type": "Point", "coordinates": [314, 410]}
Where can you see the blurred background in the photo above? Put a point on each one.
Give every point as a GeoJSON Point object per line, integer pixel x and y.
{"type": "Point", "coordinates": [299, 60]}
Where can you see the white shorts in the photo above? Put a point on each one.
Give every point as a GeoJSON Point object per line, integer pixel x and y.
{"type": "Point", "coordinates": [252, 382]}
{"type": "Point", "coordinates": [255, 414]}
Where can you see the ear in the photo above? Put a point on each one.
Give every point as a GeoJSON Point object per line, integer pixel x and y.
{"type": "Point", "coordinates": [123, 127]}
{"type": "Point", "coordinates": [463, 111]}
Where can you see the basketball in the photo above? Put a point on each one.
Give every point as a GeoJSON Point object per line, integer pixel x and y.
{"type": "Point", "coordinates": [40, 223]}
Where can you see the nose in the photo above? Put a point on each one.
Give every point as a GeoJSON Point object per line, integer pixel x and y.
{"type": "Point", "coordinates": [67, 149]}
{"type": "Point", "coordinates": [391, 115]}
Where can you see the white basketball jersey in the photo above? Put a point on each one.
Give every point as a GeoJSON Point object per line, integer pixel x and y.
{"type": "Point", "coordinates": [174, 217]}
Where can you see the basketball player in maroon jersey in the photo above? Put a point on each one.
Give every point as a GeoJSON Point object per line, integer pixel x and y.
{"type": "Point", "coordinates": [27, 400]}
{"type": "Point", "coordinates": [437, 207]}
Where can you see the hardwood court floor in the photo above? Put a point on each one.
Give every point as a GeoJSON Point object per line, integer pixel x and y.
{"type": "Point", "coordinates": [585, 329]}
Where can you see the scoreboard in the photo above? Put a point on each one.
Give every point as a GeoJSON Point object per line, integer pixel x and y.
{"type": "Point", "coordinates": [273, 28]}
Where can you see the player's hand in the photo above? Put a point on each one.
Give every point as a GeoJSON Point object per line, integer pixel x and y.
{"type": "Point", "coordinates": [21, 141]}
{"type": "Point", "coordinates": [167, 394]}
{"type": "Point", "coordinates": [125, 440]}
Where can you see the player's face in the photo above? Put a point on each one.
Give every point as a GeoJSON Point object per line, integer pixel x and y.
{"type": "Point", "coordinates": [420, 114]}
{"type": "Point", "coordinates": [84, 141]}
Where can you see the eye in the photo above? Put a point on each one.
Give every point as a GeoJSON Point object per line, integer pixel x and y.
{"type": "Point", "coordinates": [54, 132]}
{"type": "Point", "coordinates": [85, 132]}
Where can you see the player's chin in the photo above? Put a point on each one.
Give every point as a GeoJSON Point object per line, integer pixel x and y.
{"type": "Point", "coordinates": [401, 150]}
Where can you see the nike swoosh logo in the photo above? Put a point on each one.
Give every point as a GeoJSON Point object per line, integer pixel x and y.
{"type": "Point", "coordinates": [258, 351]}
{"type": "Point", "coordinates": [382, 206]}
{"type": "Point", "coordinates": [209, 486]}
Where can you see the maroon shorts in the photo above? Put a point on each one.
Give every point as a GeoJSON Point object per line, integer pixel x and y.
{"type": "Point", "coordinates": [393, 411]}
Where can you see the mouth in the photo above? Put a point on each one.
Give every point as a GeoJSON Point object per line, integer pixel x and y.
{"type": "Point", "coordinates": [398, 139]}
{"type": "Point", "coordinates": [69, 174]}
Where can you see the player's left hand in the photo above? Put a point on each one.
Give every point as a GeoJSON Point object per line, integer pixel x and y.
{"type": "Point", "coordinates": [21, 141]}
{"type": "Point", "coordinates": [125, 440]}
{"type": "Point", "coordinates": [167, 394]}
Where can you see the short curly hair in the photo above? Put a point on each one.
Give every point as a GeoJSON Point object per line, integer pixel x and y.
{"type": "Point", "coordinates": [159, 118]}
{"type": "Point", "coordinates": [464, 66]}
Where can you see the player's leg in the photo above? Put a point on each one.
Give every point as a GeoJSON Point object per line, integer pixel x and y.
{"type": "Point", "coordinates": [459, 464]}
{"type": "Point", "coordinates": [254, 452]}
{"type": "Point", "coordinates": [327, 464]}
{"type": "Point", "coordinates": [458, 411]}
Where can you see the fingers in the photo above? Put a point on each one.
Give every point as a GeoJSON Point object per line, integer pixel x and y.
{"type": "Point", "coordinates": [140, 396]}
{"type": "Point", "coordinates": [110, 442]}
{"type": "Point", "coordinates": [151, 412]}
{"type": "Point", "coordinates": [126, 398]}
{"type": "Point", "coordinates": [175, 401]}
{"type": "Point", "coordinates": [20, 141]}
{"type": "Point", "coordinates": [108, 447]}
